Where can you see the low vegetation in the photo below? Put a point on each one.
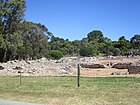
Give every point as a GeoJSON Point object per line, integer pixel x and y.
{"type": "Point", "coordinates": [64, 90]}
{"type": "Point", "coordinates": [54, 54]}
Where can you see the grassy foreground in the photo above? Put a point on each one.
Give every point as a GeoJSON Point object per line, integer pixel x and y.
{"type": "Point", "coordinates": [64, 90]}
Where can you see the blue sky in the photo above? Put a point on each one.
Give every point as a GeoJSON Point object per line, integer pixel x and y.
{"type": "Point", "coordinates": [74, 19]}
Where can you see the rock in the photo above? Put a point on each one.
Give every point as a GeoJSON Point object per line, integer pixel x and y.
{"type": "Point", "coordinates": [20, 71]}
{"type": "Point", "coordinates": [18, 68]}
{"type": "Point", "coordinates": [120, 73]}
{"type": "Point", "coordinates": [30, 72]}
{"type": "Point", "coordinates": [134, 68]}
{"type": "Point", "coordinates": [92, 66]}
{"type": "Point", "coordinates": [121, 65]}
{"type": "Point", "coordinates": [63, 72]}
{"type": "Point", "coordinates": [28, 62]}
{"type": "Point", "coordinates": [124, 73]}
{"type": "Point", "coordinates": [115, 73]}
{"type": "Point", "coordinates": [43, 59]}
{"type": "Point", "coordinates": [109, 64]}
{"type": "Point", "coordinates": [87, 59]}
{"type": "Point", "coordinates": [1, 67]}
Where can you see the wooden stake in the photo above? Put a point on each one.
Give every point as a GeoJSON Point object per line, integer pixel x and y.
{"type": "Point", "coordinates": [78, 75]}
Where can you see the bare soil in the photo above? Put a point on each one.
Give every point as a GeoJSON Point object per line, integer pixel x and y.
{"type": "Point", "coordinates": [100, 72]}
{"type": "Point", "coordinates": [109, 70]}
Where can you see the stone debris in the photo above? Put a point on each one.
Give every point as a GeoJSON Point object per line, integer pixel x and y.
{"type": "Point", "coordinates": [120, 73]}
{"type": "Point", "coordinates": [17, 68]}
{"type": "Point", "coordinates": [134, 68]}
{"type": "Point", "coordinates": [41, 67]}
{"type": "Point", "coordinates": [65, 66]}
{"type": "Point", "coordinates": [1, 67]}
{"type": "Point", "coordinates": [121, 65]}
{"type": "Point", "coordinates": [92, 66]}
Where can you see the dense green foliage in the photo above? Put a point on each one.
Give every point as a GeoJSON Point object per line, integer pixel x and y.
{"type": "Point", "coordinates": [20, 39]}
{"type": "Point", "coordinates": [55, 54]}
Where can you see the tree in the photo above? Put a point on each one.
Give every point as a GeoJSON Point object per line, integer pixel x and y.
{"type": "Point", "coordinates": [88, 50]}
{"type": "Point", "coordinates": [104, 40]}
{"type": "Point", "coordinates": [135, 41]}
{"type": "Point", "coordinates": [35, 38]}
{"type": "Point", "coordinates": [116, 52]}
{"type": "Point", "coordinates": [96, 34]}
{"type": "Point", "coordinates": [3, 49]}
{"type": "Point", "coordinates": [11, 14]}
{"type": "Point", "coordinates": [76, 46]}
{"type": "Point", "coordinates": [124, 45]}
{"type": "Point", "coordinates": [24, 52]}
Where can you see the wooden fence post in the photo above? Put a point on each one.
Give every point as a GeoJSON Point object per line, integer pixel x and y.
{"type": "Point", "coordinates": [20, 76]}
{"type": "Point", "coordinates": [78, 75]}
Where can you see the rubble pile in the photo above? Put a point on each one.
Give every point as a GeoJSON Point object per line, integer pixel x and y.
{"type": "Point", "coordinates": [134, 68]}
{"type": "Point", "coordinates": [68, 66]}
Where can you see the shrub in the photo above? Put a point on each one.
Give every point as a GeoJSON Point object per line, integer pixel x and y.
{"type": "Point", "coordinates": [88, 51]}
{"type": "Point", "coordinates": [55, 54]}
{"type": "Point", "coordinates": [117, 52]}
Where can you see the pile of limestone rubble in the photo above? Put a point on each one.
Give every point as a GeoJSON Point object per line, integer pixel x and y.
{"type": "Point", "coordinates": [36, 67]}
{"type": "Point", "coordinates": [65, 66]}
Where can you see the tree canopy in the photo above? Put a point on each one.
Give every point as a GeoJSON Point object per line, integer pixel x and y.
{"type": "Point", "coordinates": [21, 39]}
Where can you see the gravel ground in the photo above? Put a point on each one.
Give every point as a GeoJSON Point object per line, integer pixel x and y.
{"type": "Point", "coordinates": [8, 102]}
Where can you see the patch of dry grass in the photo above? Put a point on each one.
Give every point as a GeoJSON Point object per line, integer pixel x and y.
{"type": "Point", "coordinates": [64, 90]}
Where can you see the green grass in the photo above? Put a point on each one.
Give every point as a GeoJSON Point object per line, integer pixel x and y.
{"type": "Point", "coordinates": [64, 90]}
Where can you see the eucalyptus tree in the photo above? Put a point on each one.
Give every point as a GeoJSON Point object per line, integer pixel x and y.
{"type": "Point", "coordinates": [35, 40]}
{"type": "Point", "coordinates": [11, 15]}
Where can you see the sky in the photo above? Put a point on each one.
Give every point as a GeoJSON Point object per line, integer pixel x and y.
{"type": "Point", "coordinates": [74, 19]}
